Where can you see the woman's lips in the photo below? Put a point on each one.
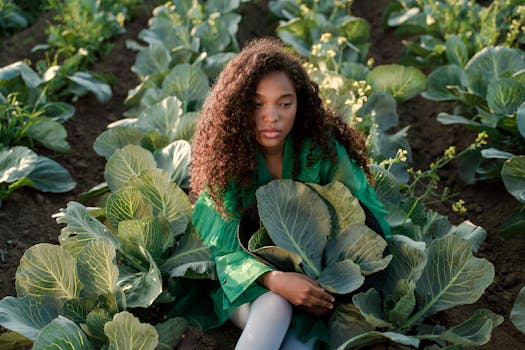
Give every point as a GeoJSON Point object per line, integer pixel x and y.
{"type": "Point", "coordinates": [270, 133]}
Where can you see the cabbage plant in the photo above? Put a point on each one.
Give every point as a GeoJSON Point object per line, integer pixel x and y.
{"type": "Point", "coordinates": [434, 25]}
{"type": "Point", "coordinates": [319, 231]}
{"type": "Point", "coordinates": [111, 262]}
{"type": "Point", "coordinates": [200, 34]}
{"type": "Point", "coordinates": [20, 166]}
{"type": "Point", "coordinates": [28, 115]}
{"type": "Point", "coordinates": [433, 268]}
{"type": "Point", "coordinates": [421, 281]}
{"type": "Point", "coordinates": [490, 91]}
{"type": "Point", "coordinates": [318, 30]}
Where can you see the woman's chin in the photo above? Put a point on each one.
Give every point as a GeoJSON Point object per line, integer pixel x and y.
{"type": "Point", "coordinates": [270, 144]}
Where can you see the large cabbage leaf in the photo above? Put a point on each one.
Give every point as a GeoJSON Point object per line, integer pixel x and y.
{"type": "Point", "coordinates": [167, 199]}
{"type": "Point", "coordinates": [125, 331]}
{"type": "Point", "coordinates": [296, 220]}
{"type": "Point", "coordinates": [115, 138]}
{"type": "Point", "coordinates": [97, 267]}
{"type": "Point", "coordinates": [347, 322]}
{"type": "Point", "coordinates": [80, 228]}
{"type": "Point", "coordinates": [343, 203]}
{"type": "Point", "coordinates": [62, 334]}
{"type": "Point", "coordinates": [127, 203]}
{"type": "Point", "coordinates": [189, 84]}
{"type": "Point", "coordinates": [141, 287]}
{"type": "Point", "coordinates": [191, 258]}
{"type": "Point", "coordinates": [409, 260]}
{"type": "Point", "coordinates": [513, 176]}
{"type": "Point", "coordinates": [451, 267]}
{"type": "Point", "coordinates": [475, 331]}
{"type": "Point", "coordinates": [401, 82]}
{"type": "Point", "coordinates": [175, 159]}
{"type": "Point", "coordinates": [16, 163]}
{"type": "Point", "coordinates": [28, 315]}
{"type": "Point", "coordinates": [490, 64]}
{"type": "Point", "coordinates": [125, 163]}
{"type": "Point", "coordinates": [46, 269]}
{"type": "Point", "coordinates": [50, 176]}
{"type": "Point", "coordinates": [50, 133]}
{"type": "Point", "coordinates": [361, 245]}
{"type": "Point", "coordinates": [163, 116]}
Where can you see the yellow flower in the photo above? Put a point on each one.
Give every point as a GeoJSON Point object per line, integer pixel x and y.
{"type": "Point", "coordinates": [325, 37]}
{"type": "Point", "coordinates": [481, 139]}
{"type": "Point", "coordinates": [330, 53]}
{"type": "Point", "coordinates": [459, 207]}
{"type": "Point", "coordinates": [401, 154]}
{"type": "Point", "coordinates": [316, 49]}
{"type": "Point", "coordinates": [304, 9]}
{"type": "Point", "coordinates": [450, 152]}
{"type": "Point", "coordinates": [120, 18]}
{"type": "Point", "coordinates": [341, 40]}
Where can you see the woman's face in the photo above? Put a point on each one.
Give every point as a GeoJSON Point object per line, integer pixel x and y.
{"type": "Point", "coordinates": [275, 109]}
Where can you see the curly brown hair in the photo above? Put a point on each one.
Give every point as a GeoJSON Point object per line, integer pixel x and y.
{"type": "Point", "coordinates": [224, 143]}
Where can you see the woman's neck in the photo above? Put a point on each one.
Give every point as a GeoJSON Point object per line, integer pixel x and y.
{"type": "Point", "coordinates": [274, 161]}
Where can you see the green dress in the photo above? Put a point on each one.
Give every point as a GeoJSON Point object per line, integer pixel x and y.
{"type": "Point", "coordinates": [237, 270]}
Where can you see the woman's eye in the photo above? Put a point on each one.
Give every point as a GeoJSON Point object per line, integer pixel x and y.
{"type": "Point", "coordinates": [258, 104]}
{"type": "Point", "coordinates": [286, 104]}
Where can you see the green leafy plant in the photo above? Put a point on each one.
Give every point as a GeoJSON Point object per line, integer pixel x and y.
{"type": "Point", "coordinates": [300, 234]}
{"type": "Point", "coordinates": [184, 33]}
{"type": "Point", "coordinates": [27, 115]}
{"type": "Point", "coordinates": [323, 31]}
{"type": "Point", "coordinates": [422, 280]}
{"type": "Point", "coordinates": [85, 25]}
{"type": "Point", "coordinates": [320, 231]}
{"type": "Point", "coordinates": [28, 120]}
{"type": "Point", "coordinates": [433, 24]}
{"type": "Point", "coordinates": [20, 166]}
{"type": "Point", "coordinates": [432, 269]}
{"type": "Point", "coordinates": [490, 92]}
{"type": "Point", "coordinates": [11, 17]}
{"type": "Point", "coordinates": [111, 262]}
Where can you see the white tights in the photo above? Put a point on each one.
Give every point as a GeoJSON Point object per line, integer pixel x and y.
{"type": "Point", "coordinates": [265, 324]}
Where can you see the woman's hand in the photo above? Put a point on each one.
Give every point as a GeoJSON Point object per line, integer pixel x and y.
{"type": "Point", "coordinates": [300, 290]}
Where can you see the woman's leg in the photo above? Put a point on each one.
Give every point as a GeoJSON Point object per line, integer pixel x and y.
{"type": "Point", "coordinates": [292, 342]}
{"type": "Point", "coordinates": [268, 321]}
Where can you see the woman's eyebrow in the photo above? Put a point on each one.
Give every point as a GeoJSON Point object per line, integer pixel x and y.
{"type": "Point", "coordinates": [282, 96]}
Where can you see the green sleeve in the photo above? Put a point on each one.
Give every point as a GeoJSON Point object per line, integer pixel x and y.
{"type": "Point", "coordinates": [352, 176]}
{"type": "Point", "coordinates": [236, 269]}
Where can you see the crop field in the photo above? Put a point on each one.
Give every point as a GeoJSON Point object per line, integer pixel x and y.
{"type": "Point", "coordinates": [98, 101]}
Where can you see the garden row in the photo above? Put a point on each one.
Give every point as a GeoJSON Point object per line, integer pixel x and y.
{"type": "Point", "coordinates": [136, 249]}
{"type": "Point", "coordinates": [35, 104]}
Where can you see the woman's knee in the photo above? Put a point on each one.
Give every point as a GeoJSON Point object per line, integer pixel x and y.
{"type": "Point", "coordinates": [273, 305]}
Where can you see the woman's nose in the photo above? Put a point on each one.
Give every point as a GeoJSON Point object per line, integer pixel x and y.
{"type": "Point", "coordinates": [271, 114]}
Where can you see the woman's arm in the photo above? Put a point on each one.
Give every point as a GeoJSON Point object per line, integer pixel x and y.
{"type": "Point", "coordinates": [300, 290]}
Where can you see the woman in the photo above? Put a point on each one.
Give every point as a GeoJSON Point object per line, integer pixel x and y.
{"type": "Point", "coordinates": [264, 120]}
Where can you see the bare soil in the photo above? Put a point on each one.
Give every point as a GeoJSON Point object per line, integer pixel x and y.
{"type": "Point", "coordinates": [26, 217]}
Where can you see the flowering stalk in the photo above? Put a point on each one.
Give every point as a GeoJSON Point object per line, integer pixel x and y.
{"type": "Point", "coordinates": [429, 179]}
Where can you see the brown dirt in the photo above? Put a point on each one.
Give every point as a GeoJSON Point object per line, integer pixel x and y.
{"type": "Point", "coordinates": [25, 218]}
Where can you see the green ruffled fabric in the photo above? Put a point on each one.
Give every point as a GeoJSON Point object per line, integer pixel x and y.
{"type": "Point", "coordinates": [237, 270]}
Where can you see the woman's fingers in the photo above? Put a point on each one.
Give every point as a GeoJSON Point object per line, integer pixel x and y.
{"type": "Point", "coordinates": [298, 289]}
{"type": "Point", "coordinates": [320, 293]}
